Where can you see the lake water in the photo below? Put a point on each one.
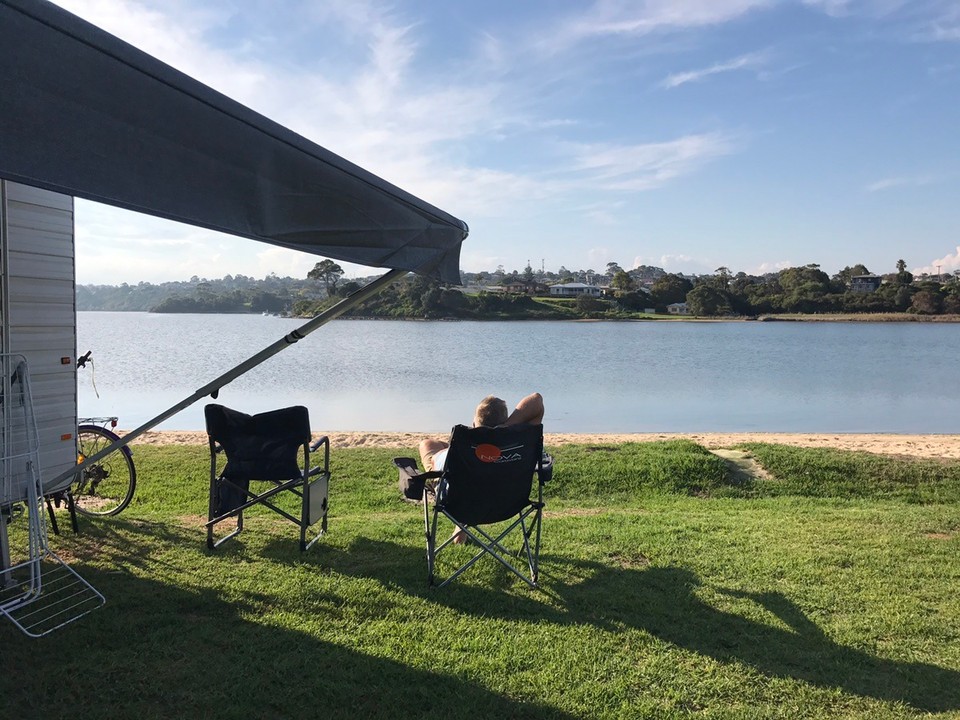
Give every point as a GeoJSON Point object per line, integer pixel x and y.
{"type": "Point", "coordinates": [594, 376]}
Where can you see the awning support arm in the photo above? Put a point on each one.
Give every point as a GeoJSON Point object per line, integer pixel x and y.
{"type": "Point", "coordinates": [352, 300]}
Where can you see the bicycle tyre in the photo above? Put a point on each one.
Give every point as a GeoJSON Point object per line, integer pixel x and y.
{"type": "Point", "coordinates": [106, 487]}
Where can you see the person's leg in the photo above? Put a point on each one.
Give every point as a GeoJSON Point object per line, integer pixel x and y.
{"type": "Point", "coordinates": [428, 448]}
{"type": "Point", "coordinates": [428, 451]}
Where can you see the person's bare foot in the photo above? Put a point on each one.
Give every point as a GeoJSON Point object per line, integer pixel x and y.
{"type": "Point", "coordinates": [459, 537]}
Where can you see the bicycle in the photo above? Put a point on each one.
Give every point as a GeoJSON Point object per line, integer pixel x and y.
{"type": "Point", "coordinates": [106, 487]}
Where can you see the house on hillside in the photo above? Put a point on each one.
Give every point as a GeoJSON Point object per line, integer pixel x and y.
{"type": "Point", "coordinates": [574, 289]}
{"type": "Point", "coordinates": [865, 283]}
{"type": "Point", "coordinates": [523, 287]}
{"type": "Point", "coordinates": [678, 309]}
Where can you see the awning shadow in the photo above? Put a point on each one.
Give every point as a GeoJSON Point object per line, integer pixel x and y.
{"type": "Point", "coordinates": [166, 651]}
{"type": "Point", "coordinates": [664, 602]}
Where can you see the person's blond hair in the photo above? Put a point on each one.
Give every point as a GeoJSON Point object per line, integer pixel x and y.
{"type": "Point", "coordinates": [491, 412]}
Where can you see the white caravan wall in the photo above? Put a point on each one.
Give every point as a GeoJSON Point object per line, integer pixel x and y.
{"type": "Point", "coordinates": [38, 311]}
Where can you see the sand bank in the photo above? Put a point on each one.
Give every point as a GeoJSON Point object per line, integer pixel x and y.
{"type": "Point", "coordinates": [921, 446]}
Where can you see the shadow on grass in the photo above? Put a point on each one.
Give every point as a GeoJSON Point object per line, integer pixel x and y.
{"type": "Point", "coordinates": [663, 601]}
{"type": "Point", "coordinates": [159, 650]}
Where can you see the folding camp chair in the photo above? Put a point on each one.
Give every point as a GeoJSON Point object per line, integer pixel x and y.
{"type": "Point", "coordinates": [272, 447]}
{"type": "Point", "coordinates": [487, 478]}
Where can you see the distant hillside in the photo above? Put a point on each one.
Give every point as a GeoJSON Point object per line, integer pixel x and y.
{"type": "Point", "coordinates": [233, 293]}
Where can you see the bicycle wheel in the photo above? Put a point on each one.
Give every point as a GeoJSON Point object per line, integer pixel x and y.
{"type": "Point", "coordinates": [106, 487]}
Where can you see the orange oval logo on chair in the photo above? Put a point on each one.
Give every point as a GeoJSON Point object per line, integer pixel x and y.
{"type": "Point", "coordinates": [487, 453]}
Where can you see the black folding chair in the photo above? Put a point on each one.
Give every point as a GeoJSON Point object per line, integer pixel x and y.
{"type": "Point", "coordinates": [274, 448]}
{"type": "Point", "coordinates": [487, 478]}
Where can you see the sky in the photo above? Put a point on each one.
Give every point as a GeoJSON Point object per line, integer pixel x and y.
{"type": "Point", "coordinates": [686, 134]}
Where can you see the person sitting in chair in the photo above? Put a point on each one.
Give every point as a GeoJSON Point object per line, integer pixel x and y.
{"type": "Point", "coordinates": [491, 412]}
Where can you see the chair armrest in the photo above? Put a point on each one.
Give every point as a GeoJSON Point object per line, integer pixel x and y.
{"type": "Point", "coordinates": [325, 441]}
{"type": "Point", "coordinates": [545, 469]}
{"type": "Point", "coordinates": [408, 467]}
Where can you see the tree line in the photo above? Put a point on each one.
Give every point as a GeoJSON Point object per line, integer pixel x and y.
{"type": "Point", "coordinates": [806, 289]}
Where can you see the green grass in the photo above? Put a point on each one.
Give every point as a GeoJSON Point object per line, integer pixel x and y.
{"type": "Point", "coordinates": [668, 591]}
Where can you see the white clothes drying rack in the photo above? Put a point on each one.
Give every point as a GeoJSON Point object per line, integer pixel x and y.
{"type": "Point", "coordinates": [38, 591]}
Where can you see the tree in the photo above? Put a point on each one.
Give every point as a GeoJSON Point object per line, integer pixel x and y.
{"type": "Point", "coordinates": [613, 268]}
{"type": "Point", "coordinates": [348, 288]}
{"type": "Point", "coordinates": [927, 302]}
{"type": "Point", "coordinates": [808, 276]}
{"type": "Point", "coordinates": [622, 282]}
{"type": "Point", "coordinates": [528, 273]}
{"type": "Point", "coordinates": [590, 305]}
{"type": "Point", "coordinates": [670, 289]}
{"type": "Point", "coordinates": [327, 272]}
{"type": "Point", "coordinates": [903, 277]}
{"type": "Point", "coordinates": [951, 304]}
{"type": "Point", "coordinates": [707, 300]}
{"type": "Point", "coordinates": [635, 301]}
{"type": "Point", "coordinates": [721, 278]}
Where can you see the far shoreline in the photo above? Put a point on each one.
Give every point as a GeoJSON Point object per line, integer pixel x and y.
{"type": "Point", "coordinates": [772, 317]}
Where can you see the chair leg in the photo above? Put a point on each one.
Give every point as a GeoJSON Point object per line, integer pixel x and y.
{"type": "Point", "coordinates": [72, 508]}
{"type": "Point", "coordinates": [53, 517]}
{"type": "Point", "coordinates": [431, 536]}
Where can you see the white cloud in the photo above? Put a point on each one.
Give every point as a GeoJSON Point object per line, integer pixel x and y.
{"type": "Point", "coordinates": [903, 181]}
{"type": "Point", "coordinates": [947, 264]}
{"type": "Point", "coordinates": [624, 18]}
{"type": "Point", "coordinates": [420, 129]}
{"type": "Point", "coordinates": [834, 8]}
{"type": "Point", "coordinates": [685, 264]}
{"type": "Point", "coordinates": [604, 214]}
{"type": "Point", "coordinates": [770, 267]}
{"type": "Point", "coordinates": [647, 166]}
{"type": "Point", "coordinates": [744, 62]}
{"type": "Point", "coordinates": [945, 27]}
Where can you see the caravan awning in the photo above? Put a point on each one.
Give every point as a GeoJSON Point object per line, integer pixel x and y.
{"type": "Point", "coordinates": [86, 114]}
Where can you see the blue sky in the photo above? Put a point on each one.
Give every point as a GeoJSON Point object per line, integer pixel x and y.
{"type": "Point", "coordinates": [688, 134]}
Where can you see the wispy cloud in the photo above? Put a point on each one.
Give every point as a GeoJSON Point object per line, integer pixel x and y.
{"type": "Point", "coordinates": [744, 62]}
{"type": "Point", "coordinates": [400, 123]}
{"type": "Point", "coordinates": [647, 166]}
{"type": "Point", "coordinates": [429, 129]}
{"type": "Point", "coordinates": [834, 8]}
{"type": "Point", "coordinates": [903, 181]}
{"type": "Point", "coordinates": [607, 18]}
{"type": "Point", "coordinates": [945, 27]}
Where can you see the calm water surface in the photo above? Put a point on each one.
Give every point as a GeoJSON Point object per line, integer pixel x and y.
{"type": "Point", "coordinates": [595, 377]}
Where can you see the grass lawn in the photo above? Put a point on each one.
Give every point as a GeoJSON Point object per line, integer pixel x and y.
{"type": "Point", "coordinates": [670, 588]}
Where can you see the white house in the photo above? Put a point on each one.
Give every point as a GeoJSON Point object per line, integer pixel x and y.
{"type": "Point", "coordinates": [574, 289]}
{"type": "Point", "coordinates": [678, 309]}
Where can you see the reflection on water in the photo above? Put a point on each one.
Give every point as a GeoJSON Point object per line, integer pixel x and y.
{"type": "Point", "coordinates": [595, 377]}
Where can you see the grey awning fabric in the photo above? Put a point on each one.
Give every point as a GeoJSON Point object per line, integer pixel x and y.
{"type": "Point", "coordinates": [86, 114]}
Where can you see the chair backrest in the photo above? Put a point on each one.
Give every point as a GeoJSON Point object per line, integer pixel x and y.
{"type": "Point", "coordinates": [265, 446]}
{"type": "Point", "coordinates": [489, 472]}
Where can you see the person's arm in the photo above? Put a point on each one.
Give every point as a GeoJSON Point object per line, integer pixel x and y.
{"type": "Point", "coordinates": [528, 410]}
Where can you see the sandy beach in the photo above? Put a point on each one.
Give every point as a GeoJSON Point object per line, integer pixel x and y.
{"type": "Point", "coordinates": [918, 446]}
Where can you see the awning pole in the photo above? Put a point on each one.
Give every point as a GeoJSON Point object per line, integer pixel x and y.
{"type": "Point", "coordinates": [210, 388]}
